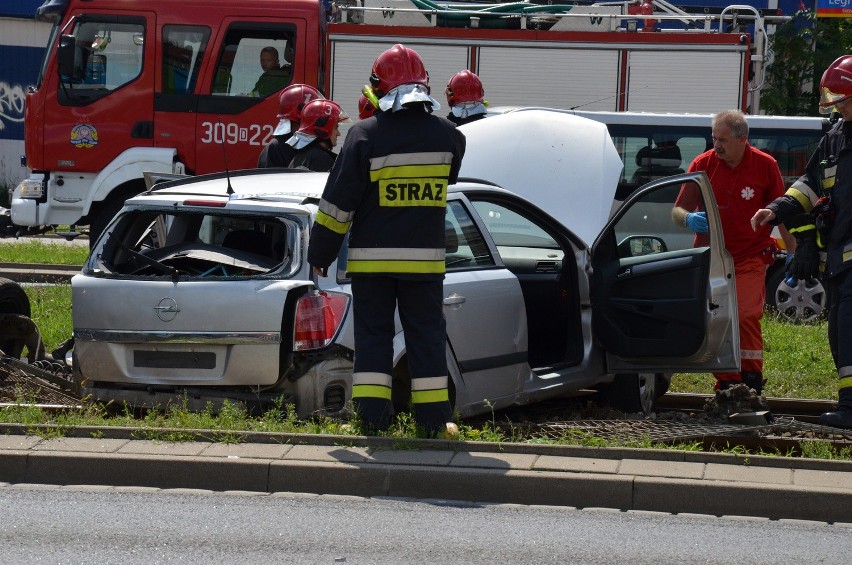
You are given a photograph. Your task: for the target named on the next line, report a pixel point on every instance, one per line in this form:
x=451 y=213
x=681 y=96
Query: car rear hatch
x=193 y=291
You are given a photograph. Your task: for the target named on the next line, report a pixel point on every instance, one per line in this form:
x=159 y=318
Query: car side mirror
x=69 y=58
x=637 y=245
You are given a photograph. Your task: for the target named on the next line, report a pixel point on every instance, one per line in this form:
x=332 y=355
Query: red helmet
x=398 y=65
x=365 y=108
x=836 y=84
x=293 y=99
x=320 y=117
x=465 y=86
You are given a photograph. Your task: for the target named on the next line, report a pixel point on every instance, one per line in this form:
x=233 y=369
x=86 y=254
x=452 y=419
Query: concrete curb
x=623 y=479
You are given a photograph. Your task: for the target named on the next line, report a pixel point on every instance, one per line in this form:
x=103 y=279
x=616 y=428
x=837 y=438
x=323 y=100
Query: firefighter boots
x=375 y=413
x=842 y=417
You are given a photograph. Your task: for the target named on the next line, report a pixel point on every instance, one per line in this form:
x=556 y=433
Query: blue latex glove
x=697 y=222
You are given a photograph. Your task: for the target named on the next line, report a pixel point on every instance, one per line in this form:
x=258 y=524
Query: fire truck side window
x=255 y=61
x=107 y=55
x=183 y=52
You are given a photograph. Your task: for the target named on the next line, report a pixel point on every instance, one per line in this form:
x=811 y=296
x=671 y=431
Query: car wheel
x=13 y=300
x=802 y=302
x=634 y=392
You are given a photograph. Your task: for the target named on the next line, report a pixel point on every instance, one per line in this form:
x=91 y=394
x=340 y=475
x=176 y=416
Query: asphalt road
x=107 y=525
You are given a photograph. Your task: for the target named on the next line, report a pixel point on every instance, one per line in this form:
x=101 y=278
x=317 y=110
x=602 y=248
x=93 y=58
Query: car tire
x=634 y=393
x=13 y=300
x=803 y=302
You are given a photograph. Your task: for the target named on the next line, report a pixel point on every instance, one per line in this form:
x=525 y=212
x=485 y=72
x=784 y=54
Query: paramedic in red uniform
x=744 y=180
x=389 y=184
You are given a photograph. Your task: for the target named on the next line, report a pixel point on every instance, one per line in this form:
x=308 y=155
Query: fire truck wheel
x=103 y=212
x=13 y=300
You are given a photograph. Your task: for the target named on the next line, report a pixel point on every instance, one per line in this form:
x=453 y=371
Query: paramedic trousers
x=420 y=304
x=751 y=296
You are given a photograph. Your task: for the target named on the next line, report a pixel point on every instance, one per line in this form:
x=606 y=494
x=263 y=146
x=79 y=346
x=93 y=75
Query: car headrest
x=249 y=240
x=667 y=156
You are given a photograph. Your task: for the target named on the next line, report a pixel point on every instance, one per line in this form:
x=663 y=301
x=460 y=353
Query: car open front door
x=664 y=300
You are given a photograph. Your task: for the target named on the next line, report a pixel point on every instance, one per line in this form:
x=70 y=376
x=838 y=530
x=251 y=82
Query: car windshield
x=197 y=244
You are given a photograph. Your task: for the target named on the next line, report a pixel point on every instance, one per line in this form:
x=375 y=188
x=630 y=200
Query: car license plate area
x=174 y=359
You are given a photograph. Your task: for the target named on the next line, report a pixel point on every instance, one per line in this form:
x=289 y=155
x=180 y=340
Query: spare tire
x=13 y=300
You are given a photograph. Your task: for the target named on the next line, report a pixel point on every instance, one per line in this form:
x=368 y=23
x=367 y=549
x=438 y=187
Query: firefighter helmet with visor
x=366 y=108
x=465 y=86
x=836 y=84
x=320 y=117
x=293 y=99
x=396 y=66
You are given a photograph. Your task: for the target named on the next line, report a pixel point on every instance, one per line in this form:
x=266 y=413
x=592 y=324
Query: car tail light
x=318 y=317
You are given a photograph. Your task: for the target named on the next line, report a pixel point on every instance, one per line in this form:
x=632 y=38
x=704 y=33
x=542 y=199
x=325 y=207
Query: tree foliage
x=802 y=49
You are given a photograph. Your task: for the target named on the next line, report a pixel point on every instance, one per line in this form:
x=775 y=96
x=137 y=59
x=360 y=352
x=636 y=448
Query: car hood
x=562 y=163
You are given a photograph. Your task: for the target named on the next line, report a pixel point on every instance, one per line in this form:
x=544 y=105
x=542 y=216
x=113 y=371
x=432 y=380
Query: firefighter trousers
x=420 y=304
x=751 y=296
x=839 y=295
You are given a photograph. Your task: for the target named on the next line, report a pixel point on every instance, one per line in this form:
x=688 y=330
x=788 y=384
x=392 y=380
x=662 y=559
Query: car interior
x=196 y=245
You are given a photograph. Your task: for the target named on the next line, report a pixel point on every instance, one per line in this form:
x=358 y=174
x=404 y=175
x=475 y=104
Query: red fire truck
x=172 y=87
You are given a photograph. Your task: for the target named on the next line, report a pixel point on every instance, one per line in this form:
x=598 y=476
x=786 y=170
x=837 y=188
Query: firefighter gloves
x=805 y=264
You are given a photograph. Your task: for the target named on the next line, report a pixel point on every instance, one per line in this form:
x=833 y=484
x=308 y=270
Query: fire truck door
x=104 y=106
x=238 y=106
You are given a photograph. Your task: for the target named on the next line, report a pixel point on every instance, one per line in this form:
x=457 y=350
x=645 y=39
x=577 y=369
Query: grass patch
x=40 y=251
x=51 y=311
x=797 y=363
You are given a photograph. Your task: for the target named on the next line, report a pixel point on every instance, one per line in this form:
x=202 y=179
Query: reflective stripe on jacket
x=388 y=188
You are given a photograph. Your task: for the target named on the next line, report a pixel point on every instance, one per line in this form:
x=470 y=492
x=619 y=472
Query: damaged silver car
x=199 y=290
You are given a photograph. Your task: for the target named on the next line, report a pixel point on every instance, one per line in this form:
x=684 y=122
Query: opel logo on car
x=167 y=310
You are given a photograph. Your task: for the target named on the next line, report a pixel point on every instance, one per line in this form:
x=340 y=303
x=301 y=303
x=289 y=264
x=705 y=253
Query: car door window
x=183 y=51
x=255 y=60
x=106 y=55
x=466 y=248
x=647 y=227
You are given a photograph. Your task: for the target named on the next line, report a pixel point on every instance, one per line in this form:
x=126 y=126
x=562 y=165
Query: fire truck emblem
x=84 y=136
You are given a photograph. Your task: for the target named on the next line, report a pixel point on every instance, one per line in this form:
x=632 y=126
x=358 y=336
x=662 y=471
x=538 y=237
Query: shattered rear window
x=197 y=244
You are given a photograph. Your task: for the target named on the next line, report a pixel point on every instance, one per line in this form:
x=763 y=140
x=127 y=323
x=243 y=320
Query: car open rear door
x=664 y=301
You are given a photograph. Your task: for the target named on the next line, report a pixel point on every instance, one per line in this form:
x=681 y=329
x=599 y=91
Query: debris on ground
x=737 y=399
x=44 y=381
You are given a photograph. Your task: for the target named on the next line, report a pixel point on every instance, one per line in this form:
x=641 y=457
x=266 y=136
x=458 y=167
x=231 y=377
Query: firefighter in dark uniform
x=466 y=98
x=317 y=136
x=389 y=184
x=290 y=103
x=818 y=210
